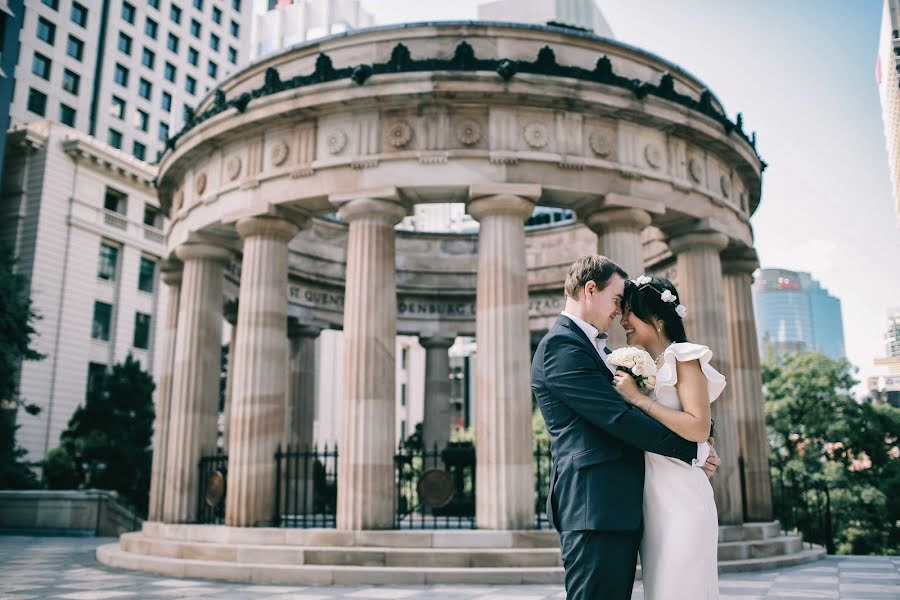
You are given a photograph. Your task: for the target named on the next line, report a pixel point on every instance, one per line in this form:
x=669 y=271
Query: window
x=232 y=55
x=153 y=4
x=402 y=394
x=190 y=84
x=115 y=201
x=198 y=4
x=172 y=43
x=128 y=12
x=40 y=66
x=95 y=378
x=235 y=29
x=213 y=41
x=169 y=72
x=167 y=101
x=146 y=273
x=67 y=115
x=124 y=43
x=404 y=355
x=195 y=28
x=193 y=56
x=152 y=216
x=145 y=89
x=175 y=14
x=151 y=27
x=141 y=331
x=121 y=75
x=109 y=260
x=142 y=120
x=71 y=81
x=115 y=139
x=403 y=429
x=217 y=15
x=148 y=58
x=139 y=150
x=79 y=15
x=37 y=102
x=236 y=5
x=212 y=69
x=46 y=30
x=54 y=4
x=102 y=317
x=163 y=132
x=117 y=108
x=75 y=48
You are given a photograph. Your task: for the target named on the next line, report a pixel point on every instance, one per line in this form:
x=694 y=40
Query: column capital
x=741 y=261
x=524 y=190
x=270 y=227
x=706 y=239
x=386 y=210
x=304 y=329
x=171 y=271
x=437 y=340
x=515 y=199
x=611 y=219
x=202 y=250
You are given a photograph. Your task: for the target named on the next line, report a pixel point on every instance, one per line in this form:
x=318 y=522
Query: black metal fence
x=213 y=479
x=803 y=503
x=435 y=488
x=305 y=487
x=543 y=468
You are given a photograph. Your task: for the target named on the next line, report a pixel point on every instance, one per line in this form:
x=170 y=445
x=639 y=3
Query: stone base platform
x=332 y=557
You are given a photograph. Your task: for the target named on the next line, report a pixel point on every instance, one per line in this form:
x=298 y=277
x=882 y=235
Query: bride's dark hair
x=645 y=302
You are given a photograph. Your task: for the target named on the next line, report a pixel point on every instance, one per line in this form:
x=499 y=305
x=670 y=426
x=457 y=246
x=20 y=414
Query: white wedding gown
x=681 y=529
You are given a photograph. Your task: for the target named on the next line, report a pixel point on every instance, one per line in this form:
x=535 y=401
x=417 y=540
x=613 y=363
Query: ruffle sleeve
x=667 y=375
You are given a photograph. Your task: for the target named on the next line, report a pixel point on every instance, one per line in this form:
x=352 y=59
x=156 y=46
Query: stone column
x=259 y=384
x=195 y=379
x=366 y=456
x=504 y=472
x=700 y=290
x=437 y=420
x=745 y=380
x=301 y=397
x=170 y=273
x=619 y=238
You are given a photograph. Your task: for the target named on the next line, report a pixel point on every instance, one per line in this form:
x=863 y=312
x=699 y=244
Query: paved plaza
x=40 y=567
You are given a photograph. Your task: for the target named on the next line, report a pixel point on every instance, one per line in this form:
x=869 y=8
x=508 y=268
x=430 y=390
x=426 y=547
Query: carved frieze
x=336 y=141
x=468 y=132
x=600 y=143
x=232 y=167
x=536 y=134
x=399 y=134
x=695 y=169
x=653 y=155
x=279 y=153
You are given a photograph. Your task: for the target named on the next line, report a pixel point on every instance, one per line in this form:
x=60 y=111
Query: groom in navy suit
x=597 y=440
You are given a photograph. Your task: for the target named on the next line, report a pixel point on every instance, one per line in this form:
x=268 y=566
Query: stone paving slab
x=45 y=568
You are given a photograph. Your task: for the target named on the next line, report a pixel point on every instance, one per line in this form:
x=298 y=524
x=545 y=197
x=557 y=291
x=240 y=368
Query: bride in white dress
x=680 y=540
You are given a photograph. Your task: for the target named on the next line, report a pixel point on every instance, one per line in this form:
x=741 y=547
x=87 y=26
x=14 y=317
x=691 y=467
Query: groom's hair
x=594 y=267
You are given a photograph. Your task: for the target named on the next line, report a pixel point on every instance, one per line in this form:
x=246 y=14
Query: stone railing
x=66 y=512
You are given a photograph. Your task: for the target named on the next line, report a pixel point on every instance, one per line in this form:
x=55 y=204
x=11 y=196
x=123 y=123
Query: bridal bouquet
x=637 y=363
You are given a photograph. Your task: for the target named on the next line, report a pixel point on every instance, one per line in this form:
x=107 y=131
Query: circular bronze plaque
x=435 y=488
x=215 y=488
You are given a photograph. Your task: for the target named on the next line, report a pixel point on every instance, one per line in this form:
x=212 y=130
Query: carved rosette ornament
x=468 y=132
x=200 y=184
x=336 y=141
x=178 y=200
x=399 y=134
x=279 y=153
x=725 y=184
x=653 y=155
x=536 y=135
x=600 y=144
x=695 y=170
x=233 y=168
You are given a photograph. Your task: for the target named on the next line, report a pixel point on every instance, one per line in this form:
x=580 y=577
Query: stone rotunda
x=284 y=190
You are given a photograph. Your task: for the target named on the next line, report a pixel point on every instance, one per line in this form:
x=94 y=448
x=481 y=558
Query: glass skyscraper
x=795 y=313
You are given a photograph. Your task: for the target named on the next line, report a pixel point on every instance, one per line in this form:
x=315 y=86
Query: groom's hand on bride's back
x=712 y=461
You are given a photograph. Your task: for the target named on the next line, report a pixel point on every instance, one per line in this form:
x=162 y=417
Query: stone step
x=749 y=531
x=292 y=574
x=777 y=546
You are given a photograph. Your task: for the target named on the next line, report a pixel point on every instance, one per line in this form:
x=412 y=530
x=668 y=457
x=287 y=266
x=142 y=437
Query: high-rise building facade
x=123 y=71
x=892 y=333
x=884 y=386
x=583 y=14
x=85 y=224
x=795 y=313
x=11 y=15
x=887 y=68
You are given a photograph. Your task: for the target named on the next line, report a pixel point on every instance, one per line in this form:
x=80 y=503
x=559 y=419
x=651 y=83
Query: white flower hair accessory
x=681 y=310
x=642 y=280
x=668 y=296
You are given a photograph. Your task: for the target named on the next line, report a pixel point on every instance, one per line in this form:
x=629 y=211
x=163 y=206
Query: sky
x=802 y=72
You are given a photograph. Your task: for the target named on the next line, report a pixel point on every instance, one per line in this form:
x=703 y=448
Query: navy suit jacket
x=597 y=440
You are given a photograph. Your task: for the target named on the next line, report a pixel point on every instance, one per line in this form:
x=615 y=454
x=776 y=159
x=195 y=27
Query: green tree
x=17 y=318
x=822 y=438
x=107 y=442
